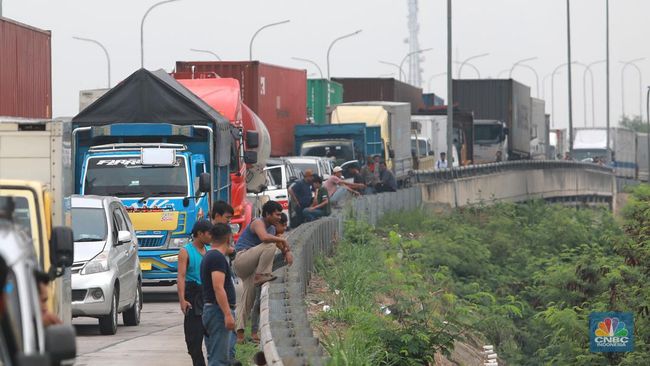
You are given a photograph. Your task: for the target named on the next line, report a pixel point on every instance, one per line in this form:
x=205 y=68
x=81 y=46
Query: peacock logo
x=611 y=327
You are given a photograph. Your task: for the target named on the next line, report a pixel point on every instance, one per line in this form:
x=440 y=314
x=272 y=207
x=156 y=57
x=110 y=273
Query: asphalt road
x=158 y=340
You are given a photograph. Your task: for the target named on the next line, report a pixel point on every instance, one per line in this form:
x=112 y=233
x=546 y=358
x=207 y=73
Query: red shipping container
x=278 y=95
x=25 y=71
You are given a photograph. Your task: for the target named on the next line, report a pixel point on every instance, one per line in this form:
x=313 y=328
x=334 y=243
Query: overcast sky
x=508 y=29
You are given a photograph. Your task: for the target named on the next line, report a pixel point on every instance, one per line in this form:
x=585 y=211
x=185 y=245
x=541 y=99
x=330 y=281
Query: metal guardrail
x=286 y=335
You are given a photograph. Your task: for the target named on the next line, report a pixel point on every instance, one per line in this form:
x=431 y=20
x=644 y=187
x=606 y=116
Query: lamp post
x=250 y=45
x=450 y=85
x=460 y=69
x=206 y=51
x=584 y=91
x=142 y=27
x=521 y=63
x=625 y=65
x=433 y=77
x=553 y=87
x=607 y=71
x=476 y=70
x=329 y=49
x=401 y=73
x=311 y=62
x=502 y=72
x=108 y=58
x=409 y=55
x=647 y=106
x=570 y=89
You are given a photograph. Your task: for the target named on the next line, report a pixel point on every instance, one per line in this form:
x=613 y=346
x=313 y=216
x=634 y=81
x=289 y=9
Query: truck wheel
x=108 y=323
x=131 y=317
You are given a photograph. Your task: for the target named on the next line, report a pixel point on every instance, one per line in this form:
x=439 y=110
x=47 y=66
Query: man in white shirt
x=442 y=162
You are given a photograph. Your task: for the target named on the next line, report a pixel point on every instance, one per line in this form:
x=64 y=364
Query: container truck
x=276 y=94
x=395 y=122
x=504 y=100
x=590 y=144
x=434 y=129
x=322 y=93
x=347 y=142
x=164 y=152
x=25 y=70
x=490 y=139
x=557 y=139
x=434 y=125
x=381 y=89
x=539 y=129
x=35 y=174
x=642 y=156
x=421 y=148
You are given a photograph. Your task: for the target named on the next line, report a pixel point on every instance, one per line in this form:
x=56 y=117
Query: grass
x=244 y=352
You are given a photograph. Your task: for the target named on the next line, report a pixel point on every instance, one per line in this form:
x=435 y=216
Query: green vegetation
x=634 y=123
x=522 y=277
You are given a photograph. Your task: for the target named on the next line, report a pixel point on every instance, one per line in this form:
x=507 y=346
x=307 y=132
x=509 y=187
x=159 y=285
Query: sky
x=509 y=30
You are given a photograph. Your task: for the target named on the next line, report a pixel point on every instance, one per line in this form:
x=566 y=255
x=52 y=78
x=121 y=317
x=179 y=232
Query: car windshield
x=487 y=133
x=301 y=167
x=589 y=154
x=422 y=144
x=125 y=177
x=88 y=224
x=339 y=150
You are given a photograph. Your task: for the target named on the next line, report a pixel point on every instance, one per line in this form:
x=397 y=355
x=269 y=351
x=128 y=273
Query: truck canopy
x=590 y=139
x=156 y=97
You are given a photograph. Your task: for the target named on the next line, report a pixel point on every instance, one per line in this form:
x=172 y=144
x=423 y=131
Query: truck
x=381 y=89
x=165 y=153
x=557 y=141
x=347 y=142
x=322 y=93
x=35 y=175
x=590 y=145
x=434 y=126
x=422 y=152
x=642 y=156
x=394 y=119
x=490 y=139
x=539 y=129
x=503 y=100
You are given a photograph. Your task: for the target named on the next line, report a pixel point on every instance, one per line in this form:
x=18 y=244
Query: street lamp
x=206 y=51
x=476 y=70
x=460 y=69
x=311 y=62
x=142 y=27
x=108 y=59
x=521 y=63
x=329 y=49
x=401 y=73
x=647 y=106
x=553 y=87
x=433 y=77
x=409 y=55
x=625 y=65
x=584 y=91
x=250 y=45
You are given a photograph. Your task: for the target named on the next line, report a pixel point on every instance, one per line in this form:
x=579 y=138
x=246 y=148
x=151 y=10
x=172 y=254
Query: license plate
x=145 y=266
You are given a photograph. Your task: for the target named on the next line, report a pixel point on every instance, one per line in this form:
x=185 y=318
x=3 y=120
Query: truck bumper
x=158 y=265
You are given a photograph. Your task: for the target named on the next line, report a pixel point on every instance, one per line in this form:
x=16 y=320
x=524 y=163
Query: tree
x=634 y=123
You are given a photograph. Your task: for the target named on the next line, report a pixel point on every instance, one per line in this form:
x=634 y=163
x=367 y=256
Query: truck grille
x=151 y=241
x=79 y=295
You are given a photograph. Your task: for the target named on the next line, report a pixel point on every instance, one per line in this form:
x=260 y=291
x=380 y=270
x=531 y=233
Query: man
x=300 y=193
x=321 y=205
x=442 y=162
x=43 y=281
x=387 y=179
x=337 y=187
x=280 y=229
x=219 y=297
x=190 y=295
x=358 y=182
x=254 y=261
x=499 y=156
x=221 y=212
x=368 y=175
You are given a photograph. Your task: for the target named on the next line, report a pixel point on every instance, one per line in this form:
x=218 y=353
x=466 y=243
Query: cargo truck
x=346 y=142
x=539 y=129
x=164 y=152
x=490 y=139
x=642 y=156
x=35 y=174
x=322 y=93
x=434 y=126
x=381 y=89
x=590 y=145
x=394 y=119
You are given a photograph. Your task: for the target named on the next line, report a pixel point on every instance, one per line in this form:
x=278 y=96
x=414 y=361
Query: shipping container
x=500 y=99
x=642 y=156
x=380 y=89
x=89 y=96
x=462 y=133
x=278 y=95
x=432 y=100
x=25 y=71
x=321 y=93
x=539 y=129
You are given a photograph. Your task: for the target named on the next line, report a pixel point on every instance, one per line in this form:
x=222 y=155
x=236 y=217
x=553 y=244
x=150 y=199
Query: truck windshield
x=88 y=224
x=588 y=155
x=303 y=166
x=487 y=133
x=125 y=177
x=340 y=150
x=421 y=144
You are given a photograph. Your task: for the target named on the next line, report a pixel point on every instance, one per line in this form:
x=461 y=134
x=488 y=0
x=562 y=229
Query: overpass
x=286 y=335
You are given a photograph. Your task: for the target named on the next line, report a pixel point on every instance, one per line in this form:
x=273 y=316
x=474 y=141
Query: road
x=158 y=340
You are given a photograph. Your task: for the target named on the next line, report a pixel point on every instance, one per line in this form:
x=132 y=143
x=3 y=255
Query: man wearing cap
x=300 y=193
x=337 y=187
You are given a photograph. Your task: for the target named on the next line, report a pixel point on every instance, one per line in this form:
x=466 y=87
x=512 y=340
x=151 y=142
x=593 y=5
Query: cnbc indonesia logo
x=611 y=332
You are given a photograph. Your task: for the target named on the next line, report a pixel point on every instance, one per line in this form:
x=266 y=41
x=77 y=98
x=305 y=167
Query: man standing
x=190 y=295
x=300 y=193
x=321 y=205
x=442 y=162
x=254 y=261
x=387 y=179
x=219 y=297
x=337 y=187
x=221 y=212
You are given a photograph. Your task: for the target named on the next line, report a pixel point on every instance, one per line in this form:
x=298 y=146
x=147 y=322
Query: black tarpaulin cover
x=156 y=97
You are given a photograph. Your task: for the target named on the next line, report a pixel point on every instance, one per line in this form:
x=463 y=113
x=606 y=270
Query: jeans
x=193 y=326
x=218 y=340
x=312 y=214
x=340 y=195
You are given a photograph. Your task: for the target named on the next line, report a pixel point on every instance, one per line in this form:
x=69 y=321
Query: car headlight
x=97 y=264
x=178 y=242
x=235 y=228
x=170 y=258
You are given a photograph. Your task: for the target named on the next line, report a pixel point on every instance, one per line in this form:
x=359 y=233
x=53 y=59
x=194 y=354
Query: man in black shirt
x=219 y=297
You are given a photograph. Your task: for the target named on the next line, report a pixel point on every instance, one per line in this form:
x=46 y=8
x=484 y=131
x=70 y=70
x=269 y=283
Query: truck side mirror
x=252 y=139
x=391 y=153
x=60 y=343
x=62 y=247
x=204 y=183
x=250 y=157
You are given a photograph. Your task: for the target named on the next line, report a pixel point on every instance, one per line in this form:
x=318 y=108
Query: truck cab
x=490 y=137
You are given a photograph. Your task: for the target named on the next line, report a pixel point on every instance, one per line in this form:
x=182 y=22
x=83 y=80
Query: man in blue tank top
x=254 y=260
x=190 y=295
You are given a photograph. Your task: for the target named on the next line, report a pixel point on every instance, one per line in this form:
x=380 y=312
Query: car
x=24 y=340
x=318 y=165
x=106 y=275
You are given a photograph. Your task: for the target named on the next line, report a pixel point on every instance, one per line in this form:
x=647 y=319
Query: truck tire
x=131 y=317
x=108 y=323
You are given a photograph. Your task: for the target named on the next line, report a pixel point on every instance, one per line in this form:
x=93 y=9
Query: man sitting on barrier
x=321 y=205
x=253 y=262
x=300 y=193
x=337 y=188
x=387 y=179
